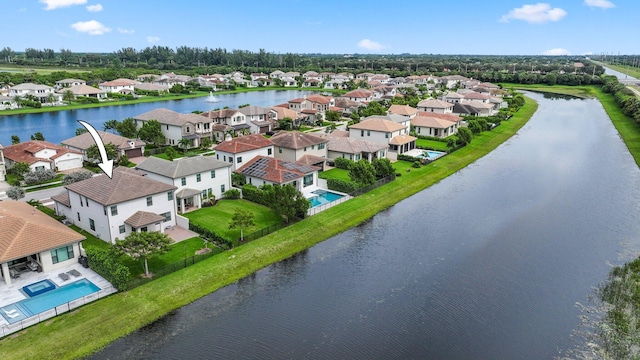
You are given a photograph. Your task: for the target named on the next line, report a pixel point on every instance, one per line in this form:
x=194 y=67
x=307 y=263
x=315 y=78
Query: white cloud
x=91 y=27
x=556 y=51
x=54 y=4
x=94 y=8
x=605 y=4
x=125 y=31
x=535 y=14
x=370 y=45
x=153 y=39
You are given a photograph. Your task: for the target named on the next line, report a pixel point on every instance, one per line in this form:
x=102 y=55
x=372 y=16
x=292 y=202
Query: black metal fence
x=376 y=184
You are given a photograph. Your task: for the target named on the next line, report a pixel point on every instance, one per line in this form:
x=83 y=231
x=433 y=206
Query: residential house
x=232 y=120
x=291 y=74
x=347 y=106
x=312 y=75
x=289 y=82
x=42 y=155
x=354 y=149
x=65 y=83
x=147 y=78
x=453 y=97
x=258 y=119
x=301 y=147
x=43 y=93
x=176 y=126
x=365 y=76
x=125 y=86
x=31 y=239
x=171 y=79
x=196 y=178
x=277 y=113
x=472 y=108
x=359 y=95
x=112 y=208
x=3 y=170
x=383 y=131
x=311 y=83
x=277 y=74
x=84 y=90
x=436 y=106
x=433 y=126
x=237 y=151
x=384 y=92
x=399 y=119
x=145 y=86
x=453 y=81
x=130 y=147
x=404 y=110
x=265 y=170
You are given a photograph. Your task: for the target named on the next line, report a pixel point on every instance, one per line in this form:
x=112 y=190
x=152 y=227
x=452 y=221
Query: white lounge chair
x=11 y=313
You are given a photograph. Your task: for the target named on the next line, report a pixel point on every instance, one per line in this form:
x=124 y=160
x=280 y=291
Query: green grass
x=625 y=69
x=586 y=91
x=432 y=144
x=335 y=173
x=217 y=218
x=101 y=322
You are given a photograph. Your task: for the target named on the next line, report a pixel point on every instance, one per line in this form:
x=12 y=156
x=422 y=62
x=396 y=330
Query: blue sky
x=489 y=27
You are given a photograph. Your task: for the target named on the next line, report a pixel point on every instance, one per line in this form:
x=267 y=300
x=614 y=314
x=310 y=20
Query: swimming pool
x=39 y=287
x=49 y=300
x=323 y=197
x=431 y=154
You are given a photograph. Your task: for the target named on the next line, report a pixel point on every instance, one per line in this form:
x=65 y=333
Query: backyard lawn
x=217 y=218
x=432 y=144
x=335 y=173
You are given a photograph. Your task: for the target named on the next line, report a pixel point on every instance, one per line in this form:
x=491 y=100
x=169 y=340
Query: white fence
x=316 y=209
x=48 y=314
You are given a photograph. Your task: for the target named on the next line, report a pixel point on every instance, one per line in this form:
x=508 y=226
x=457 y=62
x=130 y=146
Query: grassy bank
x=91 y=327
x=625 y=69
x=577 y=91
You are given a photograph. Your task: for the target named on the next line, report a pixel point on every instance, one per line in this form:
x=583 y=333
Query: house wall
x=297 y=183
x=46 y=261
x=441 y=133
x=295 y=154
x=222 y=177
x=68 y=161
x=374 y=136
x=246 y=156
x=337 y=154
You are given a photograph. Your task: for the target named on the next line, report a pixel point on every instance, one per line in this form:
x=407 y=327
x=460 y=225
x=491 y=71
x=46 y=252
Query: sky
x=482 y=27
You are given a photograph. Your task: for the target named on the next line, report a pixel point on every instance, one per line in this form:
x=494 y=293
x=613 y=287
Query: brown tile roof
x=476 y=96
x=358 y=93
x=296 y=139
x=435 y=103
x=220 y=114
x=319 y=99
x=297 y=100
x=142 y=218
x=405 y=110
x=244 y=143
x=450 y=117
x=311 y=160
x=402 y=139
x=283 y=112
x=24 y=152
x=120 y=82
x=84 y=141
x=26 y=231
x=432 y=122
x=170 y=117
x=275 y=170
x=126 y=184
x=83 y=90
x=378 y=124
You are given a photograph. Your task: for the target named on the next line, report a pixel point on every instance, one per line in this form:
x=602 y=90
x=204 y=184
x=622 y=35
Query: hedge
x=342 y=163
x=342 y=185
x=107 y=265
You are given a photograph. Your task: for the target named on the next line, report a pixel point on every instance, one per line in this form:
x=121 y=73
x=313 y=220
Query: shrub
x=416 y=164
x=211 y=236
x=342 y=163
x=75 y=177
x=105 y=263
x=342 y=185
x=38 y=176
x=407 y=158
x=232 y=194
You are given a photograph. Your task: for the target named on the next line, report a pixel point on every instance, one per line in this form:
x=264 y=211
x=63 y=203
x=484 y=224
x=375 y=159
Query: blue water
x=60 y=125
x=432 y=154
x=324 y=197
x=39 y=287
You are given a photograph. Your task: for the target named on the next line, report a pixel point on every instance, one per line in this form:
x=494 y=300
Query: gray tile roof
x=181 y=167
x=142 y=218
x=170 y=117
x=84 y=141
x=296 y=139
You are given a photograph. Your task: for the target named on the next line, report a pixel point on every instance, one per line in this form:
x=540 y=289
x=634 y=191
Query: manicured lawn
x=335 y=173
x=104 y=321
x=432 y=144
x=217 y=218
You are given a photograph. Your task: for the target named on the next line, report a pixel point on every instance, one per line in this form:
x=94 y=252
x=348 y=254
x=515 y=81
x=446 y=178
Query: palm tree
x=185 y=144
x=17 y=100
x=51 y=98
x=68 y=96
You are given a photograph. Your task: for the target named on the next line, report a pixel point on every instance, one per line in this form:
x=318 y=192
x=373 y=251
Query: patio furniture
x=74 y=272
x=32 y=265
x=63 y=276
x=14 y=273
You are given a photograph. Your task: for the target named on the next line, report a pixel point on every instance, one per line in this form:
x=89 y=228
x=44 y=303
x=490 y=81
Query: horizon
x=508 y=28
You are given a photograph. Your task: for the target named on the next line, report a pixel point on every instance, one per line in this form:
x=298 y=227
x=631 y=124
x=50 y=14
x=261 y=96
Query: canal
x=489 y=263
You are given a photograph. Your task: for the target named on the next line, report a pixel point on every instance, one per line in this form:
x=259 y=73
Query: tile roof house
x=111 y=208
x=69 y=83
x=196 y=178
x=232 y=119
x=264 y=170
x=404 y=110
x=151 y=87
x=433 y=126
x=41 y=92
x=359 y=95
x=84 y=90
x=354 y=149
x=435 y=105
x=258 y=118
x=278 y=113
x=384 y=131
x=3 y=170
x=302 y=147
x=239 y=150
x=176 y=126
x=42 y=155
x=29 y=235
x=130 y=147
x=119 y=85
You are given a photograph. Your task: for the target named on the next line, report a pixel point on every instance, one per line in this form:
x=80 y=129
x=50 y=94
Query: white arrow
x=106 y=165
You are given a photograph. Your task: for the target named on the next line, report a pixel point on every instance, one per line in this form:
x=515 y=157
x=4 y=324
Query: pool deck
x=10 y=294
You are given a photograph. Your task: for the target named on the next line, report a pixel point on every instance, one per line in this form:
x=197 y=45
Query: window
x=225 y=158
x=213 y=174
x=198 y=178
x=114 y=210
x=321 y=146
x=231 y=159
x=239 y=159
x=170 y=195
x=313 y=147
x=81 y=203
x=305 y=149
x=121 y=229
x=209 y=192
x=62 y=254
x=222 y=188
x=183 y=181
x=167 y=216
x=361 y=132
x=269 y=151
x=92 y=224
x=204 y=193
x=78 y=216
x=143 y=229
x=308 y=180
x=86 y=201
x=188 y=130
x=386 y=135
x=368 y=132
x=218 y=156
x=279 y=150
x=149 y=200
